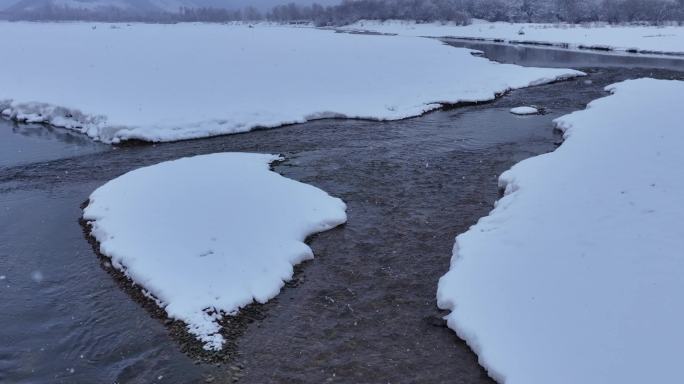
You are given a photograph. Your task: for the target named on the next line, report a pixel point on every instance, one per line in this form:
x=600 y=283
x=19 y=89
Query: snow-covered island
x=207 y=235
x=524 y=111
x=154 y=82
x=576 y=275
x=624 y=38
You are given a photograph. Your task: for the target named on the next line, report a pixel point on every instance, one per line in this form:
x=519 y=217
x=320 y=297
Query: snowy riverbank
x=637 y=39
x=153 y=82
x=575 y=276
x=208 y=235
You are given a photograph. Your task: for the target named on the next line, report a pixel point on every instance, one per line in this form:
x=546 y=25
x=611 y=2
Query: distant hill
x=142 y=10
x=14 y=6
x=262 y=5
x=129 y=6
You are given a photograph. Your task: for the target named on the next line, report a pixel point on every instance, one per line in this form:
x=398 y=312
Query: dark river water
x=530 y=55
x=362 y=311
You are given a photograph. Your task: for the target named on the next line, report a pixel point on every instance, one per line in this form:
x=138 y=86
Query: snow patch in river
x=524 y=111
x=207 y=235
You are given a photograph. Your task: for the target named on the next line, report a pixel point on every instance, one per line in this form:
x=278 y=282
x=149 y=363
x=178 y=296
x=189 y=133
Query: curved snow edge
x=97 y=127
x=510 y=185
x=204 y=325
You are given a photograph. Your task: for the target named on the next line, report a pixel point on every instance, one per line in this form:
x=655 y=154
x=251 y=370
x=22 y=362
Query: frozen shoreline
x=123 y=82
x=605 y=272
x=647 y=40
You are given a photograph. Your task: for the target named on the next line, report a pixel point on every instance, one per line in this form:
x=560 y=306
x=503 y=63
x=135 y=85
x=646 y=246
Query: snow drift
x=207 y=235
x=118 y=82
x=576 y=275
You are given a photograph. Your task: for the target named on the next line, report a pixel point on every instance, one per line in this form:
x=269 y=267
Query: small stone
x=436 y=321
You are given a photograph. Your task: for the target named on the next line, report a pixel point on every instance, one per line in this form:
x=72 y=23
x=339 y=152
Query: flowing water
x=362 y=311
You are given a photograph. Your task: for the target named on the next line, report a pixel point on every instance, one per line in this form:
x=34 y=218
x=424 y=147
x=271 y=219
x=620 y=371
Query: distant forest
x=349 y=11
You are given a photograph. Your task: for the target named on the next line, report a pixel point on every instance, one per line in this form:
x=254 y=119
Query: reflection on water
x=555 y=57
x=50 y=133
x=24 y=143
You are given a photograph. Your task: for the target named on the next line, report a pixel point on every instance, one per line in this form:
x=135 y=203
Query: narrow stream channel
x=362 y=311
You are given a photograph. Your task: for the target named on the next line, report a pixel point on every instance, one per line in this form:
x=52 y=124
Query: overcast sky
x=262 y=4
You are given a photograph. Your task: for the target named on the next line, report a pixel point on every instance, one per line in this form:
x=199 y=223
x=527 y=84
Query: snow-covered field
x=577 y=275
x=170 y=82
x=209 y=234
x=644 y=39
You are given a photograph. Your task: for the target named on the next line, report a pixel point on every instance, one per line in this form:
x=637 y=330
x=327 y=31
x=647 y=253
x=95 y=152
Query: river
x=362 y=311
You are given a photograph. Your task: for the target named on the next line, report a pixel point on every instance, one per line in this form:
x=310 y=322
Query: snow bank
x=209 y=234
x=171 y=82
x=576 y=275
x=524 y=111
x=643 y=39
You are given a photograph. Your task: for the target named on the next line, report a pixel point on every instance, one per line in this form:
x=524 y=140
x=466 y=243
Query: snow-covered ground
x=172 y=82
x=644 y=39
x=577 y=275
x=209 y=234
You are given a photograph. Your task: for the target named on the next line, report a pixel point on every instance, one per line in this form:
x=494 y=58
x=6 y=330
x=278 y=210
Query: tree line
x=349 y=11
x=462 y=11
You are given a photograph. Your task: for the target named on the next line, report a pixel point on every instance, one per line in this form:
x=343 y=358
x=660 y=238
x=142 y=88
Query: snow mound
x=207 y=235
x=524 y=111
x=576 y=275
x=171 y=82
